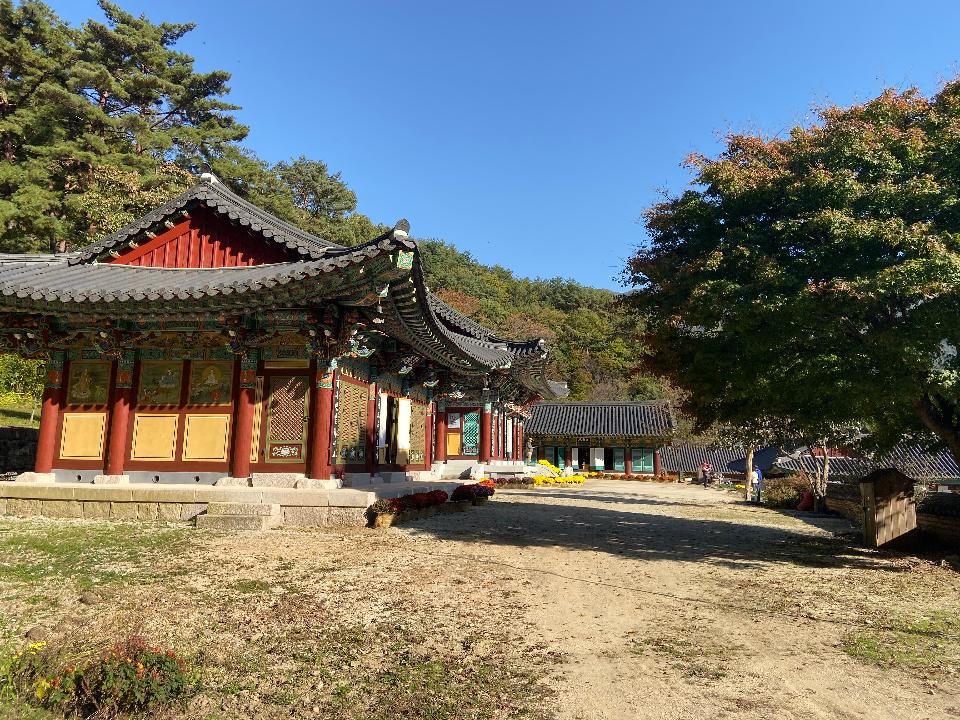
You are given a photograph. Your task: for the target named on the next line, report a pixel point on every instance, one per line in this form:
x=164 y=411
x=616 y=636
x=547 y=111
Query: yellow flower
x=41 y=687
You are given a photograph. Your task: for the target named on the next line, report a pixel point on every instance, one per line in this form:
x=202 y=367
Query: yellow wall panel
x=205 y=437
x=154 y=437
x=82 y=436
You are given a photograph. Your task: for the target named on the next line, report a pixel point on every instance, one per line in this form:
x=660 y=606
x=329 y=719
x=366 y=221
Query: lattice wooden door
x=471 y=433
x=286 y=434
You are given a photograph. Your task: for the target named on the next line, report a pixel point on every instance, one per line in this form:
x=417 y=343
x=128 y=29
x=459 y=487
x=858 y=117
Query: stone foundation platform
x=140 y=501
x=222 y=507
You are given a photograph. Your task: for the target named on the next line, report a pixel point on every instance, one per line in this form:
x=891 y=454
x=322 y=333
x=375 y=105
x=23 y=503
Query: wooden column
x=440 y=451
x=568 y=456
x=627 y=461
x=318 y=455
x=243 y=416
x=485 y=421
x=656 y=462
x=119 y=415
x=428 y=439
x=117 y=437
x=371 y=455
x=47 y=436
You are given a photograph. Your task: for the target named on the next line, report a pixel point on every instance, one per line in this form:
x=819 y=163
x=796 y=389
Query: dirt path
x=678 y=602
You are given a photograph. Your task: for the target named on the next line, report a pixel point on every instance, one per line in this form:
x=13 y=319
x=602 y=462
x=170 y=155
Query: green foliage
x=21 y=380
x=784 y=492
x=591 y=334
x=127 y=677
x=100 y=123
x=810 y=283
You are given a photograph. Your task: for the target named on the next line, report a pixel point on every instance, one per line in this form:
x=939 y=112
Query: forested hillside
x=103 y=122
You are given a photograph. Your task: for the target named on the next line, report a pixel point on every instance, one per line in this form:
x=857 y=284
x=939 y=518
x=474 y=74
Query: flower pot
x=385 y=520
x=480 y=500
x=430 y=511
x=460 y=505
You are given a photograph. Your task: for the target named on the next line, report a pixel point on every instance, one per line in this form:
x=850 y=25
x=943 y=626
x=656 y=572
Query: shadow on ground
x=651 y=536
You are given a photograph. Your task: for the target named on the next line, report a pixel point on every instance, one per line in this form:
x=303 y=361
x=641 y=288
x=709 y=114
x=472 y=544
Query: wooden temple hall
x=614 y=437
x=211 y=343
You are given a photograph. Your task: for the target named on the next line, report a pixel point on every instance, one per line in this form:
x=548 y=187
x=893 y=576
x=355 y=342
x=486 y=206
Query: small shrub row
x=484 y=488
x=414 y=501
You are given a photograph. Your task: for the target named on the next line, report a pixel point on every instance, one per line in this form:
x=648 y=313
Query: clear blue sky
x=533 y=134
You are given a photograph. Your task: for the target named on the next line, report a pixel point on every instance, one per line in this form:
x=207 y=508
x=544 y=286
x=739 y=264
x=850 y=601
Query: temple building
x=212 y=343
x=615 y=437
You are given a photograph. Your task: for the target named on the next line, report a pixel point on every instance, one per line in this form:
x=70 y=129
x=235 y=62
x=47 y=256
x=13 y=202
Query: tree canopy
x=811 y=282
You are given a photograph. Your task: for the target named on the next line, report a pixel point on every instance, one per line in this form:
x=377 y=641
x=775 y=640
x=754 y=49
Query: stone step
x=235 y=522
x=242 y=509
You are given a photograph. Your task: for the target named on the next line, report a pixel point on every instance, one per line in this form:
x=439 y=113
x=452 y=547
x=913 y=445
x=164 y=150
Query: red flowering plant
x=483 y=490
x=421 y=500
x=463 y=492
x=128 y=677
x=439 y=496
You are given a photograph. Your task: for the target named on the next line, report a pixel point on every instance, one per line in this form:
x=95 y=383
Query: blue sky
x=533 y=134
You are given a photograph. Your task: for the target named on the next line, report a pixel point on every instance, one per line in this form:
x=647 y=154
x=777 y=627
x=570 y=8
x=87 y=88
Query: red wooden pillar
x=318 y=456
x=440 y=452
x=428 y=438
x=485 y=439
x=47 y=436
x=117 y=438
x=568 y=456
x=242 y=434
x=656 y=462
x=243 y=417
x=495 y=429
x=371 y=428
x=627 y=461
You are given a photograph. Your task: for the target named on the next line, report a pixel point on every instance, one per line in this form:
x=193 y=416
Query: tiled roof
x=650 y=418
x=39 y=282
x=219 y=198
x=687 y=457
x=911 y=460
x=77 y=283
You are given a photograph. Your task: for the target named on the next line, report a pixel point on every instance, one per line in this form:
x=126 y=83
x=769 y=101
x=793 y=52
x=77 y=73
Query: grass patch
x=929 y=645
x=251 y=586
x=381 y=671
x=697 y=659
x=89 y=553
x=18 y=414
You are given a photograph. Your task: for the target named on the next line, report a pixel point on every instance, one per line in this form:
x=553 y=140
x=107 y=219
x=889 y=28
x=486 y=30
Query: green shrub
x=128 y=677
x=783 y=492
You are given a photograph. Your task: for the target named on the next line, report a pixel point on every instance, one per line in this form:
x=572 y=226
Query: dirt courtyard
x=615 y=600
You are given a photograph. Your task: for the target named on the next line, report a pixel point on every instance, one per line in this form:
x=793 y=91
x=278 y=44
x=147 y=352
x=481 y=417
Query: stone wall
x=18 y=447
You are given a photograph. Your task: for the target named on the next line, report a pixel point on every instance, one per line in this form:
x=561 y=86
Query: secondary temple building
x=212 y=343
x=616 y=437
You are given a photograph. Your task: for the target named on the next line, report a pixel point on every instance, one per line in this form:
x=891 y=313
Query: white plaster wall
x=596 y=458
x=403 y=431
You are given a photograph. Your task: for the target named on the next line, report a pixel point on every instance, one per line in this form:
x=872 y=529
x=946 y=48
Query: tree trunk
x=939 y=420
x=748 y=492
x=821 y=491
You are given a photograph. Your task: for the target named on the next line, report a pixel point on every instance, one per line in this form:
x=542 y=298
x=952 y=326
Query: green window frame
x=641 y=460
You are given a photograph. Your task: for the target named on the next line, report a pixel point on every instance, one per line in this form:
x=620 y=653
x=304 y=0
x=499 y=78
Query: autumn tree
x=814 y=279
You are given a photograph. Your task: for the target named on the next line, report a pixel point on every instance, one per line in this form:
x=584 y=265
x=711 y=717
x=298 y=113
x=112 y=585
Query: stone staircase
x=240 y=516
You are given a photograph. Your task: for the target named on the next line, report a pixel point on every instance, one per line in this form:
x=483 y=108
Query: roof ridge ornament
x=208 y=177
x=402 y=228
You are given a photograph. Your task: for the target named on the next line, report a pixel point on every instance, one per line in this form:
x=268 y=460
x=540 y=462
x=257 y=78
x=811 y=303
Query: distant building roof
x=649 y=418
x=911 y=460
x=688 y=457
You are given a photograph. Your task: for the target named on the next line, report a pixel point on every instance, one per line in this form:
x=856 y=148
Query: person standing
x=706 y=473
